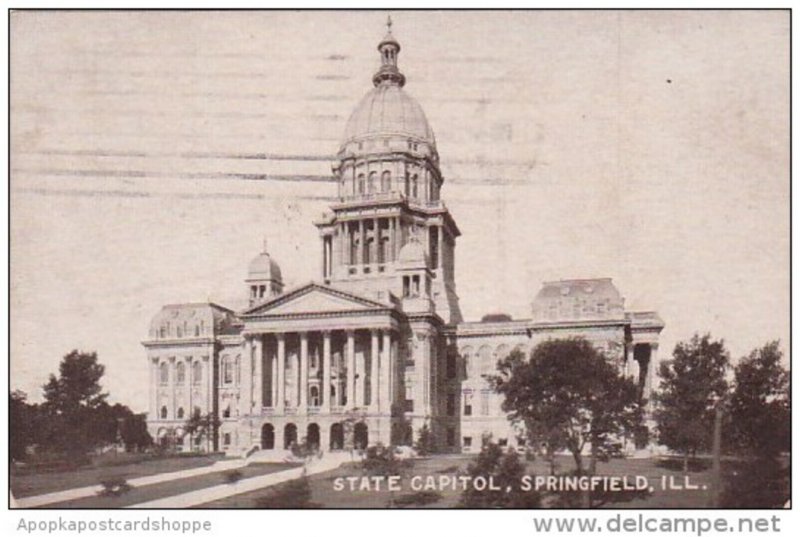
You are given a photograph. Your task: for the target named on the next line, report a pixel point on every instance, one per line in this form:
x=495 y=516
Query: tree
x=424 y=445
x=758 y=429
x=506 y=473
x=117 y=424
x=200 y=426
x=567 y=395
x=759 y=404
x=23 y=418
x=71 y=403
x=692 y=384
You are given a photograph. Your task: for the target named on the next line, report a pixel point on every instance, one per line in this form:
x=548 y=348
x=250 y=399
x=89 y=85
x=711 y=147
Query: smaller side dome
x=263 y=267
x=413 y=253
x=264 y=278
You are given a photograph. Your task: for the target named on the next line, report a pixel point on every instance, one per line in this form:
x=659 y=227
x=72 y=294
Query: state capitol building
x=377 y=347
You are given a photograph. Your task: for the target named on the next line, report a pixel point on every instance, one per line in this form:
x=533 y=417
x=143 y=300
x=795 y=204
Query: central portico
x=318 y=356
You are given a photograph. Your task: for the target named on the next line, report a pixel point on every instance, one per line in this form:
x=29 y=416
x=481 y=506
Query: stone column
x=362 y=246
x=273 y=381
x=396 y=236
x=326 y=372
x=440 y=248
x=360 y=377
x=188 y=380
x=376 y=241
x=652 y=370
x=386 y=373
x=392 y=250
x=373 y=375
x=173 y=377
x=281 y=392
x=246 y=390
x=304 y=372
x=209 y=378
x=155 y=381
x=633 y=366
x=258 y=373
x=351 y=369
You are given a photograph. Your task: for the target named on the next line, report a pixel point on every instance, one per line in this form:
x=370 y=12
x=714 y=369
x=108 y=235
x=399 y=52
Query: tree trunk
x=586 y=497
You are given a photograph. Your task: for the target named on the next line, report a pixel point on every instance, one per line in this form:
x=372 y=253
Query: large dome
x=388 y=110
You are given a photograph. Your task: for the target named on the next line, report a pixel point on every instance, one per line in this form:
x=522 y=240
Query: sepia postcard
x=399 y=259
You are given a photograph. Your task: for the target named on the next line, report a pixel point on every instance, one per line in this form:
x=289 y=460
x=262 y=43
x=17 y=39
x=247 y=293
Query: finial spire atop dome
x=389 y=48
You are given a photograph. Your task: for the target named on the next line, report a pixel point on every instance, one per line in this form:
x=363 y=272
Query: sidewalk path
x=74 y=494
x=210 y=494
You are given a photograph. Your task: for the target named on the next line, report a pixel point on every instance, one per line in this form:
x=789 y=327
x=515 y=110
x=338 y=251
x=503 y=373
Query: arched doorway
x=360 y=435
x=337 y=436
x=267 y=436
x=289 y=435
x=312 y=435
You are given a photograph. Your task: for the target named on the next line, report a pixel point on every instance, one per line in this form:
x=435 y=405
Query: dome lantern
x=389 y=49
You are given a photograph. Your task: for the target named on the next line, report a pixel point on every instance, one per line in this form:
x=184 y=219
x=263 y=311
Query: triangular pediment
x=314 y=298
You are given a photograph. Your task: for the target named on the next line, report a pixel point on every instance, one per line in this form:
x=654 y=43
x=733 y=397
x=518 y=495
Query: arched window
x=164 y=373
x=227 y=370
x=414 y=182
x=386 y=181
x=360 y=183
x=163 y=412
x=466 y=356
x=486 y=362
x=501 y=352
x=372 y=178
x=180 y=413
x=197 y=373
x=181 y=372
x=314 y=395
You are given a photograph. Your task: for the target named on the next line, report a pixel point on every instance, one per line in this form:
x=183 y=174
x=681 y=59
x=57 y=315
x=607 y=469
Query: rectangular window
x=451 y=404
x=409 y=405
x=485 y=403
x=468 y=404
x=451 y=366
x=467 y=441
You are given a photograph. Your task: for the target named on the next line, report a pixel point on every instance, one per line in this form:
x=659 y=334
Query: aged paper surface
x=155 y=154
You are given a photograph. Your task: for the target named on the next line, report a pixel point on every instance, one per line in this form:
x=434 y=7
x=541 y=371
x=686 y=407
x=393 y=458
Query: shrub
x=295 y=494
x=114 y=486
x=233 y=476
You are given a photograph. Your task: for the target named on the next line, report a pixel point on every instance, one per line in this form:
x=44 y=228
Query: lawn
x=27 y=483
x=170 y=488
x=323 y=493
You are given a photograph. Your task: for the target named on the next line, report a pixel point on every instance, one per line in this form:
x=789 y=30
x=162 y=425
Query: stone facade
x=378 y=347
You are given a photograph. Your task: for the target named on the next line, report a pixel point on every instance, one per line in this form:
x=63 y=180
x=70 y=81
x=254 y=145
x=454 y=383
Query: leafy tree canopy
x=692 y=383
x=759 y=405
x=568 y=394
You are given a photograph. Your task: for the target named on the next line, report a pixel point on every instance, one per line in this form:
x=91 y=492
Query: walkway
x=327 y=462
x=210 y=494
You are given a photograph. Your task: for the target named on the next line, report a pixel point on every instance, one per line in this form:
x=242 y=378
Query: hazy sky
x=153 y=152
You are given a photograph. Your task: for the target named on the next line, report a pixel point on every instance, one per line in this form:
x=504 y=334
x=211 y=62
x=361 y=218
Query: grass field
x=26 y=483
x=169 y=488
x=321 y=491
